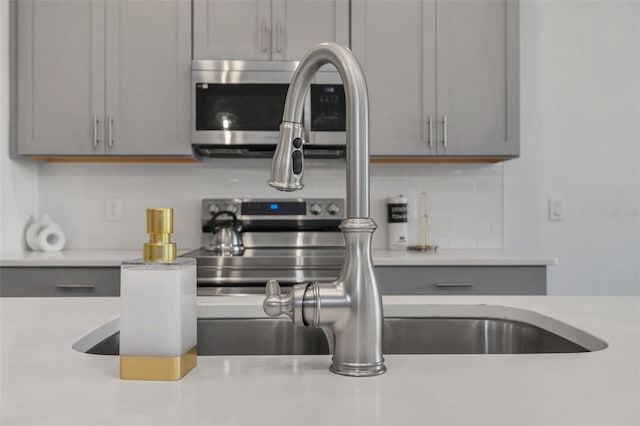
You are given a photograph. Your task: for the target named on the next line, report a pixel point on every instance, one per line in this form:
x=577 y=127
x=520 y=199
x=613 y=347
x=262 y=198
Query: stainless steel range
x=289 y=240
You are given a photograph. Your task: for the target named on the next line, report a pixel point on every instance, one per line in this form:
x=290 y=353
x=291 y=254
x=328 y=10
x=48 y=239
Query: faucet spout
x=351 y=305
x=287 y=167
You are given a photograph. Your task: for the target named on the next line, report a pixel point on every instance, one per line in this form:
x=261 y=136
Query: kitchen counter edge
x=113 y=258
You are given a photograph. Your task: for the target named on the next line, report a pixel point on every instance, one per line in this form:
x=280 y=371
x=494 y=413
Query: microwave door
x=238 y=114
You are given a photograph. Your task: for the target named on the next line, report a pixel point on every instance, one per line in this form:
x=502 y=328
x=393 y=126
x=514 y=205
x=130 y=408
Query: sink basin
x=424 y=335
x=244 y=336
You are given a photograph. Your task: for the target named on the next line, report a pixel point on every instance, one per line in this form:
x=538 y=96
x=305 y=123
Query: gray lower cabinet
x=59 y=282
x=392 y=280
x=462 y=280
x=443 y=76
x=103 y=78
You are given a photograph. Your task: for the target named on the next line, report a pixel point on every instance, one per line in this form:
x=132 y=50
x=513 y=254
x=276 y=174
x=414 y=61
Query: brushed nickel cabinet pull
x=96 y=141
x=430 y=132
x=76 y=286
x=110 y=141
x=450 y=285
x=278 y=36
x=444 y=142
x=264 y=36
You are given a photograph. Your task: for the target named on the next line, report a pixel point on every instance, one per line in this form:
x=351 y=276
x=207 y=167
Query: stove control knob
x=315 y=209
x=213 y=208
x=333 y=209
x=231 y=208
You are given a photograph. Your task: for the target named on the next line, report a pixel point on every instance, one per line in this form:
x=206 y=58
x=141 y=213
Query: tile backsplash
x=465 y=200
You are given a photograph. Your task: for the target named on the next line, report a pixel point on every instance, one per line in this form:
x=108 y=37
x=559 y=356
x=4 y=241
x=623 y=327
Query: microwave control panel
x=328 y=108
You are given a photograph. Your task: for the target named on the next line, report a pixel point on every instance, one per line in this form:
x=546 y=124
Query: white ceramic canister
x=43 y=234
x=34 y=228
x=51 y=238
x=397 y=223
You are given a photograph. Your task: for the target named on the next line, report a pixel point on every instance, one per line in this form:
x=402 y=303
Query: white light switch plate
x=556 y=209
x=113 y=209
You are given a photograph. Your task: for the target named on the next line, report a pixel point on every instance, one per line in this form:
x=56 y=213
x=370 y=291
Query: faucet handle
x=275 y=303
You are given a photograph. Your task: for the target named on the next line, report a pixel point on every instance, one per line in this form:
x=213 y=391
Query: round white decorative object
x=52 y=238
x=31 y=235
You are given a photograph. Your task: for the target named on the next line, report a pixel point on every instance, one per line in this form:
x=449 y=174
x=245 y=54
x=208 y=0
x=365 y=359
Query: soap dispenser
x=158 y=319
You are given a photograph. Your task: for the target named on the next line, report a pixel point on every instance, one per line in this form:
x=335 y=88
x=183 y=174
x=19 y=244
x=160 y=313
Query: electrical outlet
x=113 y=210
x=556 y=209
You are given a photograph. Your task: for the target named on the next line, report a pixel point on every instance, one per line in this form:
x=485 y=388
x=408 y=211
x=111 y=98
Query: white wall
x=18 y=179
x=580 y=118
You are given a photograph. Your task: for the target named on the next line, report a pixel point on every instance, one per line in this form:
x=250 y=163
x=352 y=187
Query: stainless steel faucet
x=350 y=306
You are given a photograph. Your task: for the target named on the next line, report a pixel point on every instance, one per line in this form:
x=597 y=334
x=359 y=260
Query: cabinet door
x=61 y=77
x=477 y=57
x=298 y=25
x=232 y=29
x=148 y=77
x=395 y=43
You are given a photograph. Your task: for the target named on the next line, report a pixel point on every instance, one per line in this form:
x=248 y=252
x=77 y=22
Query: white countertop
x=45 y=382
x=480 y=257
x=112 y=258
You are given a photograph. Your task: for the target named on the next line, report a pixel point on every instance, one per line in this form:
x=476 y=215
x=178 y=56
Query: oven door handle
x=234 y=291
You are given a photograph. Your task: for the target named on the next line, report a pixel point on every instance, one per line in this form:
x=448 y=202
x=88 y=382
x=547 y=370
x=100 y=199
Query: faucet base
x=358 y=370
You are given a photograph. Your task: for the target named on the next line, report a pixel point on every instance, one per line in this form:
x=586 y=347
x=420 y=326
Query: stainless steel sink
x=257 y=336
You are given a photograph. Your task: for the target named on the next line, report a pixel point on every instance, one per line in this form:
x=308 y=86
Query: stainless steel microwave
x=238 y=106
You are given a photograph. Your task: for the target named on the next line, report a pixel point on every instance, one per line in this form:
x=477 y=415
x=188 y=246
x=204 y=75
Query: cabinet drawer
x=463 y=280
x=59 y=282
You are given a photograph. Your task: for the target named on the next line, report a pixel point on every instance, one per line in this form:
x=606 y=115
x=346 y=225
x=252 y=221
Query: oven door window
x=247 y=107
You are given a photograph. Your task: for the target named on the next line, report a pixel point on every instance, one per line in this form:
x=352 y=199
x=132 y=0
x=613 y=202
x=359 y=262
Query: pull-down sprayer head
x=288 y=164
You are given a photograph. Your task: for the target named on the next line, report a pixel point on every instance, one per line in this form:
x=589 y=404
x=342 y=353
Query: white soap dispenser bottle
x=158 y=319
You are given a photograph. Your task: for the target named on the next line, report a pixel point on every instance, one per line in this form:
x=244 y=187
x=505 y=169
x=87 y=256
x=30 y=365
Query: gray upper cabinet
x=298 y=25
x=148 y=77
x=266 y=29
x=61 y=54
x=231 y=29
x=478 y=69
x=104 y=77
x=443 y=76
x=393 y=49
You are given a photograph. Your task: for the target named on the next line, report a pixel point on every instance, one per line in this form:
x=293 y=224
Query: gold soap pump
x=159 y=227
